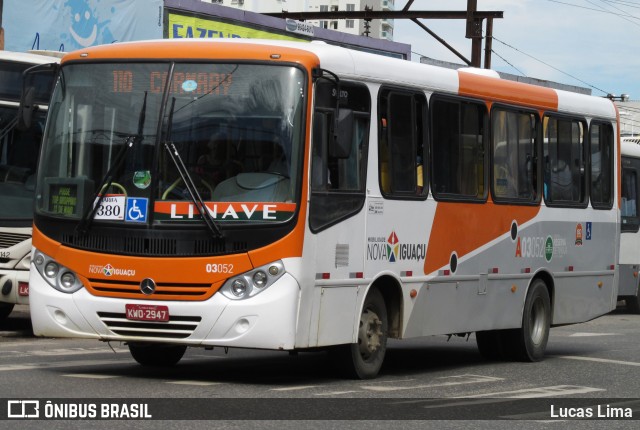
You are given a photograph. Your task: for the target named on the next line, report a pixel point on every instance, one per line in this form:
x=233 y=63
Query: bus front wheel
x=157 y=355
x=362 y=360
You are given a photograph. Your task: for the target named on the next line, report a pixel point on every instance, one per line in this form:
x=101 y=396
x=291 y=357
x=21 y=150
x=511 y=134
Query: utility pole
x=1 y=27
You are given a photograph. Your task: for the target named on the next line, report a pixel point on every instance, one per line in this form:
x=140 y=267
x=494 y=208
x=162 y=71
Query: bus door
x=337 y=214
x=630 y=228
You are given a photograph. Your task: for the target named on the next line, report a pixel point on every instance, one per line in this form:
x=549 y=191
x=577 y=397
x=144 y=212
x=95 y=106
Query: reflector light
x=326 y=276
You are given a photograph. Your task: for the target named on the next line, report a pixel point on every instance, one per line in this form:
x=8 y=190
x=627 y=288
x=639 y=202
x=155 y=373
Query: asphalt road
x=588 y=366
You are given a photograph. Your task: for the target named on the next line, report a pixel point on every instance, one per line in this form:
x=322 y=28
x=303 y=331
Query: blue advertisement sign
x=67 y=25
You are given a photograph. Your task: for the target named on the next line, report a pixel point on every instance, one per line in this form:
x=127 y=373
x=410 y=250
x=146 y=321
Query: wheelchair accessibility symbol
x=136 y=210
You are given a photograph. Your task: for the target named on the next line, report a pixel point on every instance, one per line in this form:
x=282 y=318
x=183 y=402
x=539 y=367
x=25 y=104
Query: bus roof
x=26 y=57
x=365 y=66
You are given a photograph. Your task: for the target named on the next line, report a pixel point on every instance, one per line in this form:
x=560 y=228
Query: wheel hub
x=370 y=333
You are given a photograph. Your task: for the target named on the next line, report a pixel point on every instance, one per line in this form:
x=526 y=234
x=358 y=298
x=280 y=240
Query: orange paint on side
x=465 y=227
x=501 y=90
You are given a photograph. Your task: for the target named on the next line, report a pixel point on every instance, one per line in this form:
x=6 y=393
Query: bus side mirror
x=341 y=145
x=27 y=108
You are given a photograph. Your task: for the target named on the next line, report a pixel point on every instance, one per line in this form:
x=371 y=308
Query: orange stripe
x=500 y=90
x=465 y=227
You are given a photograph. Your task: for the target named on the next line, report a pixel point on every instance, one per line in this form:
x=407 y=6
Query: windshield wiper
x=85 y=222
x=187 y=179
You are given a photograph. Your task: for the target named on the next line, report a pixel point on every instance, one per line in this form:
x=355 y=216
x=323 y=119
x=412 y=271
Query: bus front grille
x=178 y=327
x=137 y=244
x=164 y=290
x=7 y=240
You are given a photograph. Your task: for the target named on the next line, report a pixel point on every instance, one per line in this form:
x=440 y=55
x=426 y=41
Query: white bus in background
x=629 y=289
x=19 y=148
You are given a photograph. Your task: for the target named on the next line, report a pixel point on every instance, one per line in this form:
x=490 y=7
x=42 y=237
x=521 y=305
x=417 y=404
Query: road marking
x=336 y=393
x=64 y=351
x=299 y=387
x=506 y=396
x=598 y=360
x=201 y=383
x=593 y=334
x=79 y=363
x=530 y=393
x=449 y=381
x=90 y=376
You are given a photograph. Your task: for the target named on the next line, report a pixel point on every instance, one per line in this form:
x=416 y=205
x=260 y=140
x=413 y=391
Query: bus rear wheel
x=156 y=355
x=529 y=342
x=363 y=360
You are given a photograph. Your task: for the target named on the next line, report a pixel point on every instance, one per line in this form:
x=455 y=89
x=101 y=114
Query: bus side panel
x=487 y=289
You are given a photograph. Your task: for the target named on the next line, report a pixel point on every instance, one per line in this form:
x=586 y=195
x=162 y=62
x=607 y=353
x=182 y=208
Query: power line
x=589 y=8
x=549 y=65
x=623 y=17
x=503 y=59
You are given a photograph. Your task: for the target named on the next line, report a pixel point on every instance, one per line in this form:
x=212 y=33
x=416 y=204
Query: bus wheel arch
x=391 y=291
x=379 y=316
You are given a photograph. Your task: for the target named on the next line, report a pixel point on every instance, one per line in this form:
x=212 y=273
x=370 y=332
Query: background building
x=379 y=29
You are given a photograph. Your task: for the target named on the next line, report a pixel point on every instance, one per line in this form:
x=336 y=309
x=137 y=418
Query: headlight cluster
x=253 y=282
x=56 y=275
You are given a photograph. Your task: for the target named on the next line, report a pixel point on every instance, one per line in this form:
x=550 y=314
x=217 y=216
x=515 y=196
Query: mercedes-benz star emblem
x=148 y=286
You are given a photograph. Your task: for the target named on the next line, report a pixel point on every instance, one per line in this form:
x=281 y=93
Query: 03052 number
x=219 y=268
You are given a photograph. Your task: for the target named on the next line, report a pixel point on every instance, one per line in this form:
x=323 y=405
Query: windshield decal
x=137 y=209
x=142 y=179
x=111 y=207
x=224 y=211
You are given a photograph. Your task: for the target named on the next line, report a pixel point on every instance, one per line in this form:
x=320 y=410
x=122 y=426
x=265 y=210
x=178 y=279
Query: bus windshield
x=19 y=147
x=237 y=128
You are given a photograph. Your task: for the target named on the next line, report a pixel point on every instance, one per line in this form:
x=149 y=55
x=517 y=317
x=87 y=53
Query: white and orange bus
x=629 y=286
x=19 y=148
x=291 y=196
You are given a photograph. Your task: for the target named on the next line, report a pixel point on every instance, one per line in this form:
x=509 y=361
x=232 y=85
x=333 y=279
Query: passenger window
x=458 y=149
x=629 y=211
x=564 y=162
x=601 y=139
x=513 y=146
x=402 y=143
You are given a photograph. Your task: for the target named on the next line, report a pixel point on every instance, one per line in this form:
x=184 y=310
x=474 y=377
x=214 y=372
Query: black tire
x=5 y=310
x=491 y=344
x=157 y=355
x=529 y=342
x=363 y=360
x=633 y=304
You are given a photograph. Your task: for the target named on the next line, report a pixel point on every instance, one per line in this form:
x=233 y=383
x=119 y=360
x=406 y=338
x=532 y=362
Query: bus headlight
x=252 y=282
x=51 y=269
x=239 y=287
x=56 y=275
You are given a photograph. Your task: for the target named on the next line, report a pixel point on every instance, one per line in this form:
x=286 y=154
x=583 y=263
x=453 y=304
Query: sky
x=588 y=43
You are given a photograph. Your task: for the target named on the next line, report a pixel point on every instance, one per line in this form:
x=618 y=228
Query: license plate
x=147 y=313
x=23 y=289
